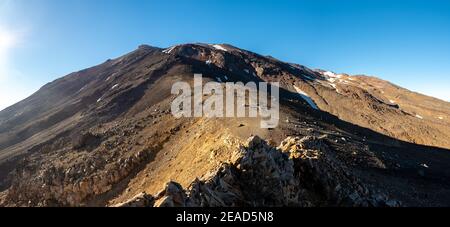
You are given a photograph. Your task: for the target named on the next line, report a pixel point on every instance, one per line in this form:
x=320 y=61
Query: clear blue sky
x=406 y=42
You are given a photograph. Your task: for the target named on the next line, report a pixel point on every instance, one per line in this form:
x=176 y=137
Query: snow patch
x=18 y=114
x=306 y=97
x=81 y=89
x=329 y=74
x=115 y=86
x=111 y=77
x=346 y=82
x=332 y=80
x=208 y=62
x=392 y=101
x=334 y=86
x=169 y=50
x=99 y=100
x=218 y=79
x=219 y=47
x=441 y=118
x=418 y=116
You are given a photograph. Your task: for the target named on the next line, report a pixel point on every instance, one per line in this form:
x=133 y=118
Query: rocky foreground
x=301 y=172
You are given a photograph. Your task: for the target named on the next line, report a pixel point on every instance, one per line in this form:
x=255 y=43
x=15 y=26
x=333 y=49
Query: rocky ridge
x=300 y=172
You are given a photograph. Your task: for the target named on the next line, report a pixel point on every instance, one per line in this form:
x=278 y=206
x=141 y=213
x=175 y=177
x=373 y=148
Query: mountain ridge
x=103 y=135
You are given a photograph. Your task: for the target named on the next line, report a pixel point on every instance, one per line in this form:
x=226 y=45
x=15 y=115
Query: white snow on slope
x=418 y=116
x=332 y=80
x=169 y=50
x=219 y=47
x=330 y=74
x=115 y=86
x=334 y=86
x=346 y=82
x=99 y=100
x=332 y=77
x=84 y=87
x=18 y=114
x=208 y=62
x=440 y=118
x=306 y=97
x=392 y=101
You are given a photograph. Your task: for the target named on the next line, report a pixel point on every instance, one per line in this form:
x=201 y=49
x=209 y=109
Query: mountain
x=105 y=136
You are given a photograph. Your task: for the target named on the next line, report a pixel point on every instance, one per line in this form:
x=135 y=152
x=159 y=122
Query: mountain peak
x=87 y=133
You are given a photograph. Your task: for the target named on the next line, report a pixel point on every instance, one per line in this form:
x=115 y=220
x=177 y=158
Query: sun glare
x=7 y=40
